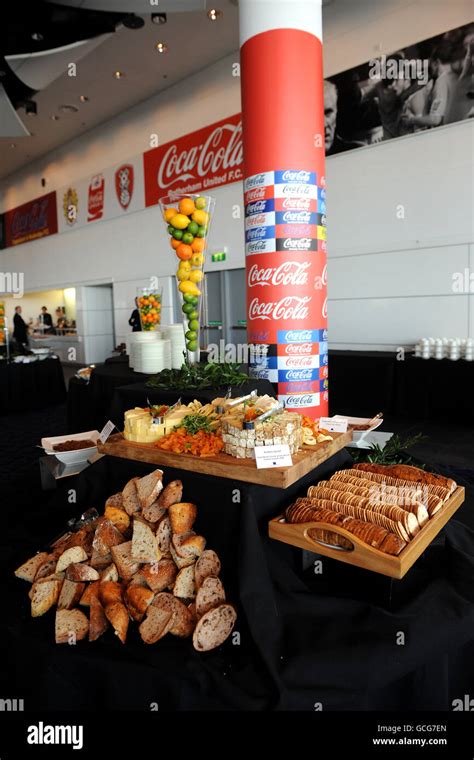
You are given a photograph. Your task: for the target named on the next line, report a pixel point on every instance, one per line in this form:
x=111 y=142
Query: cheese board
x=361 y=554
x=225 y=466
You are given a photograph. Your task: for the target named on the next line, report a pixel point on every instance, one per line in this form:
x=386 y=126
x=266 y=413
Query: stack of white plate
x=149 y=357
x=175 y=334
x=137 y=340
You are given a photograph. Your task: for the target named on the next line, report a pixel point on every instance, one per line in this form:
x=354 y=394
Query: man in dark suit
x=135 y=321
x=20 y=333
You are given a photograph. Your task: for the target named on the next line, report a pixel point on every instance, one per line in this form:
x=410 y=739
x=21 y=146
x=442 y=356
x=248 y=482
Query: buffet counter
x=61 y=345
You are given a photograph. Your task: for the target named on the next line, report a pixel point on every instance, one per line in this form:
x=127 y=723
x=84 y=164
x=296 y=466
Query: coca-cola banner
x=285 y=216
x=196 y=162
x=31 y=220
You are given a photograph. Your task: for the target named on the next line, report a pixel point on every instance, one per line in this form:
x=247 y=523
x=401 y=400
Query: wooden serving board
x=362 y=554
x=225 y=466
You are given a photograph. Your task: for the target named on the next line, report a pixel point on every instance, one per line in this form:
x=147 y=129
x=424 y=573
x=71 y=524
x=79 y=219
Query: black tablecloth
x=128 y=396
x=332 y=638
x=24 y=387
x=364 y=383
x=88 y=405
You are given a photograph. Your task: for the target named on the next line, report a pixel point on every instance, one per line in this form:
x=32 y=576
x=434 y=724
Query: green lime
x=193 y=324
x=170 y=229
x=187 y=238
x=191 y=335
x=194 y=300
x=192 y=345
x=188 y=298
x=200 y=202
x=202 y=231
x=193 y=228
x=177 y=234
x=193 y=314
x=187 y=308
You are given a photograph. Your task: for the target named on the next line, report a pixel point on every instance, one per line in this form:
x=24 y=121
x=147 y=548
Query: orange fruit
x=184 y=252
x=186 y=206
x=170 y=213
x=198 y=245
x=175 y=243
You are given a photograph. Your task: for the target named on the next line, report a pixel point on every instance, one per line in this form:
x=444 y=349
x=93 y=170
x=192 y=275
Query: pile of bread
x=385 y=506
x=140 y=561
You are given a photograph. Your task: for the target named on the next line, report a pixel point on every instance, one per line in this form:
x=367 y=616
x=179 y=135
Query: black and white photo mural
x=420 y=87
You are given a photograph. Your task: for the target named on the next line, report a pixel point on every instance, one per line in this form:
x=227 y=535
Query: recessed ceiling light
x=133 y=22
x=83 y=98
x=119 y=74
x=159 y=18
x=12 y=145
x=68 y=108
x=54 y=117
x=161 y=47
x=37 y=36
x=213 y=14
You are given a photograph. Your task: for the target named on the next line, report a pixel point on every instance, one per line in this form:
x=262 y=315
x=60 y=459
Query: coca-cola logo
x=298 y=374
x=290 y=273
x=256 y=208
x=257 y=233
x=257 y=246
x=299 y=400
x=290 y=307
x=298 y=336
x=297 y=244
x=299 y=361
x=297 y=204
x=255 y=221
x=299 y=349
x=324 y=371
x=323 y=220
x=258 y=179
x=296 y=189
x=324 y=309
x=211 y=157
x=320 y=281
x=303 y=217
x=296 y=176
x=325 y=396
x=255 y=195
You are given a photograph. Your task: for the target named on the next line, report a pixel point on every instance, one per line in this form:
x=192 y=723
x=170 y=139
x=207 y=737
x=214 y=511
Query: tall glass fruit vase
x=188 y=219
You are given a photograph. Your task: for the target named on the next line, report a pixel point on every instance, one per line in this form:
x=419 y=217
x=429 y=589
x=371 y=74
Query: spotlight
x=213 y=14
x=161 y=47
x=159 y=18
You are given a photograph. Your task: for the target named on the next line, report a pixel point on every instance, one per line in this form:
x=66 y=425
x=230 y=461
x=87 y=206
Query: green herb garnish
x=199 y=376
x=193 y=423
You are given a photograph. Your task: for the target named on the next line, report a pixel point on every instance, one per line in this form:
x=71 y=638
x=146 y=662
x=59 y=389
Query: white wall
x=389 y=278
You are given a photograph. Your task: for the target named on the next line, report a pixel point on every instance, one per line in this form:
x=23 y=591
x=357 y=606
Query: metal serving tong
x=158 y=419
x=221 y=409
x=250 y=424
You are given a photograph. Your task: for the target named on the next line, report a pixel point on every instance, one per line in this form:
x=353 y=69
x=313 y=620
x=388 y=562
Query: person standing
x=20 y=332
x=46 y=320
x=135 y=321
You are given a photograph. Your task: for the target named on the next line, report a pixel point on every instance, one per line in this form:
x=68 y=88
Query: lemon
x=180 y=221
x=200 y=217
x=197 y=260
x=189 y=287
x=185 y=266
x=196 y=275
x=183 y=275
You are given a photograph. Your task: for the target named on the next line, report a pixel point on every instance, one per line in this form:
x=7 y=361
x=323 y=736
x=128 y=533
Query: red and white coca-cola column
x=285 y=198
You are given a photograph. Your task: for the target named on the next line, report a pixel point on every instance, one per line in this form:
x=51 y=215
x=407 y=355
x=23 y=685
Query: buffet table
x=365 y=382
x=304 y=638
x=36 y=385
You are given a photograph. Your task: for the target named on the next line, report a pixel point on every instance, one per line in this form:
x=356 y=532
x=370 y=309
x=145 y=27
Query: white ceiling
x=194 y=42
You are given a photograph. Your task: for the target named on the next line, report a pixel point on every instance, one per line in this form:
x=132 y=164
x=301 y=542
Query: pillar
x=285 y=198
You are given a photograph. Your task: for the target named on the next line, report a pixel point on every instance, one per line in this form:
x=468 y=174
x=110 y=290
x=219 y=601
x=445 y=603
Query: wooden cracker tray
x=363 y=555
x=225 y=466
